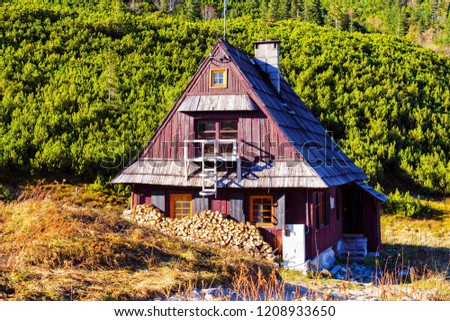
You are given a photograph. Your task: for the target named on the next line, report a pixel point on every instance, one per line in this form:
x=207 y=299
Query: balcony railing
x=211 y=151
x=205 y=149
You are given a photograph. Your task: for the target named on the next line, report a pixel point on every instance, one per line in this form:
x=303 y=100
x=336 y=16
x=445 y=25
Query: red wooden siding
x=275 y=238
x=169 y=143
x=296 y=207
x=140 y=195
x=221 y=204
x=319 y=239
x=257 y=137
x=296 y=212
x=371 y=221
x=235 y=83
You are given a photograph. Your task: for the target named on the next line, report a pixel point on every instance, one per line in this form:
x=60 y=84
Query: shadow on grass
x=400 y=258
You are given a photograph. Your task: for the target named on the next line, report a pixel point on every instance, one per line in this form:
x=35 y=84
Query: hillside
x=65 y=242
x=423 y=21
x=82 y=90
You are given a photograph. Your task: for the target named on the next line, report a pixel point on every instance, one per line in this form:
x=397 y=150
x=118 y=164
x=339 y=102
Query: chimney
x=267 y=56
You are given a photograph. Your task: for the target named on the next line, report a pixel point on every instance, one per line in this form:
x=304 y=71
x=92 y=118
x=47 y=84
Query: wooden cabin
x=239 y=140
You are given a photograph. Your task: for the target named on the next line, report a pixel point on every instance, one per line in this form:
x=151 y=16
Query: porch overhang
x=196 y=103
x=369 y=189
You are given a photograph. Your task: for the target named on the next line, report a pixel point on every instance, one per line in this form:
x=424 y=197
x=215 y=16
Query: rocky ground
x=356 y=282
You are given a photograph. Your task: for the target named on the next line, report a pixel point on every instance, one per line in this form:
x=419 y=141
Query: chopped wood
x=206 y=227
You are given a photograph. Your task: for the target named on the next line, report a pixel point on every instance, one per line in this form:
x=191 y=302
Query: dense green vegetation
x=82 y=89
x=423 y=21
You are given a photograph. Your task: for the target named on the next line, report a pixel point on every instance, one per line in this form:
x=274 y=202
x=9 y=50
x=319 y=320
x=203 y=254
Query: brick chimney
x=267 y=56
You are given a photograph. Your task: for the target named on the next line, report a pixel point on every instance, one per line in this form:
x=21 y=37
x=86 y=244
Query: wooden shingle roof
x=299 y=125
x=279 y=174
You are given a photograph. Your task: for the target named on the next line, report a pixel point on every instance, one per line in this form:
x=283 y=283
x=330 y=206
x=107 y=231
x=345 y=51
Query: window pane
x=209 y=149
x=228 y=135
x=218 y=78
x=205 y=135
x=262 y=210
x=226 y=149
x=181 y=205
x=206 y=125
x=229 y=124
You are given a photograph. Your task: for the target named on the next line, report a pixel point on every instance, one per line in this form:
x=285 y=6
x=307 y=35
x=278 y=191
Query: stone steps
x=353 y=249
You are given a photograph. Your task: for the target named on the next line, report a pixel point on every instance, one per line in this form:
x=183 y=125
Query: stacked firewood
x=210 y=227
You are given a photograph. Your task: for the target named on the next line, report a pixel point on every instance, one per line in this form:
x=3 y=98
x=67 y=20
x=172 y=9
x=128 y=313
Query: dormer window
x=219 y=78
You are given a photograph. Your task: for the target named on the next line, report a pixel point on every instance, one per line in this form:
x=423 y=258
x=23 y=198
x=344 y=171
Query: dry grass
x=423 y=244
x=63 y=243
x=433 y=232
x=417 y=285
x=416 y=256
x=58 y=242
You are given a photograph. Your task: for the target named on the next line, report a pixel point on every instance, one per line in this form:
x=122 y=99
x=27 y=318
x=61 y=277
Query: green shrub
x=5 y=194
x=404 y=205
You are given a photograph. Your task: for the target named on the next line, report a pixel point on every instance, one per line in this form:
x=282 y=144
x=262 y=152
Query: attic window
x=219 y=78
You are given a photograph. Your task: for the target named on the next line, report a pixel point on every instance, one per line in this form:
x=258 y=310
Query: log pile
x=205 y=227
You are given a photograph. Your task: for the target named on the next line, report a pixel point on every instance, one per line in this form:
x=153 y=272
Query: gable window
x=322 y=209
x=261 y=210
x=219 y=78
x=218 y=129
x=180 y=205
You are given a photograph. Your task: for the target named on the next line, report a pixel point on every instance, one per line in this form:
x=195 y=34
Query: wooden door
x=353 y=214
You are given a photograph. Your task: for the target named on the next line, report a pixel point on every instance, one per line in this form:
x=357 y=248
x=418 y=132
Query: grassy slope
x=58 y=246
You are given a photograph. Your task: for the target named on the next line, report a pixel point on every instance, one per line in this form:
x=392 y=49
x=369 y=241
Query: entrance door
x=353 y=215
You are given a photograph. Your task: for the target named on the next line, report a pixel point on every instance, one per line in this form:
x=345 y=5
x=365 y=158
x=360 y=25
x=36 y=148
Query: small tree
x=312 y=12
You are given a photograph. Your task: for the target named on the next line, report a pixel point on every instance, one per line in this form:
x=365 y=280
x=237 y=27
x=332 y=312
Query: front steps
x=352 y=248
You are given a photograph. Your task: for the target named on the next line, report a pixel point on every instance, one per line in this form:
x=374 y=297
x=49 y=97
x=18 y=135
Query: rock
x=208 y=297
x=324 y=260
x=325 y=274
x=335 y=269
x=194 y=295
x=403 y=273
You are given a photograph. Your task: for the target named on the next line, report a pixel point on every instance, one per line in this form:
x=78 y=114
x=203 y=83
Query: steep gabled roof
x=322 y=163
x=298 y=124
